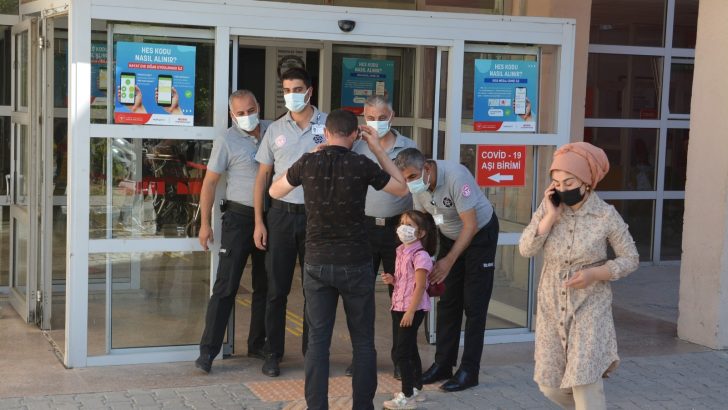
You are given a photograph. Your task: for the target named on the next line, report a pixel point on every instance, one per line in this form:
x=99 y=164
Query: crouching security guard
x=234 y=154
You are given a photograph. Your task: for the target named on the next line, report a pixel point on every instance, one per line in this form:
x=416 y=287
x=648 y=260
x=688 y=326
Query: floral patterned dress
x=575 y=338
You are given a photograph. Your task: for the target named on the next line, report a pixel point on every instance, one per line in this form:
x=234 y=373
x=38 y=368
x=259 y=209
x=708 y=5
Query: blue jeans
x=323 y=284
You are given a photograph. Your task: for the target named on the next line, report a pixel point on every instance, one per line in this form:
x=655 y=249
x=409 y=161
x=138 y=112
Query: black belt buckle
x=223 y=205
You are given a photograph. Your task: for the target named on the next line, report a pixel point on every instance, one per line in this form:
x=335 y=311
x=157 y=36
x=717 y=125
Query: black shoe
x=436 y=373
x=204 y=363
x=397 y=375
x=461 y=381
x=270 y=367
x=349 y=370
x=256 y=354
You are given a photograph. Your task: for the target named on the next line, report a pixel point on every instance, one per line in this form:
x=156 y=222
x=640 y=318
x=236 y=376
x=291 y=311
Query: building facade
x=109 y=245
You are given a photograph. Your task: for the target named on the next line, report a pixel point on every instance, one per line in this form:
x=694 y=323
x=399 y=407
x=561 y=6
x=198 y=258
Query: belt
x=288 y=207
x=238 y=208
x=384 y=221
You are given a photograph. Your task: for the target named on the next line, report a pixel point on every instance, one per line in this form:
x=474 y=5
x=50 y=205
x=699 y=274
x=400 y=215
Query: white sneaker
x=400 y=402
x=418 y=395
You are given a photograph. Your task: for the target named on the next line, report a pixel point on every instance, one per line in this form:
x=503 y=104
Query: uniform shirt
x=234 y=154
x=455 y=193
x=284 y=143
x=381 y=204
x=575 y=339
x=335 y=182
x=410 y=258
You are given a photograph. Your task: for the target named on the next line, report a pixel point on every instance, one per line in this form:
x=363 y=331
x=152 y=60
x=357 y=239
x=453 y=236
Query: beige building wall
x=580 y=10
x=704 y=270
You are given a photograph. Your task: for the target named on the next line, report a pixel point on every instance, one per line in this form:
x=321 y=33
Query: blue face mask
x=418 y=185
x=296 y=102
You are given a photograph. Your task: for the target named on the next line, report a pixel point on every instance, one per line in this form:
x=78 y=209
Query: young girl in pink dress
x=418 y=234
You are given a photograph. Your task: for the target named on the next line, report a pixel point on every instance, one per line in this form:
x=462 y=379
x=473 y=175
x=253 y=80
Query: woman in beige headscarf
x=575 y=340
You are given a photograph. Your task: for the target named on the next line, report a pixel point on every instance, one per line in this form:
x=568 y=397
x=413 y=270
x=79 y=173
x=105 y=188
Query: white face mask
x=407 y=234
x=382 y=127
x=296 y=102
x=247 y=123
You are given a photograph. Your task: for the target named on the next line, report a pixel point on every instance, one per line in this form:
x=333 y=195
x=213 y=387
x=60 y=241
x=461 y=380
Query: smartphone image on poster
x=101 y=84
x=127 y=88
x=164 y=90
x=520 y=101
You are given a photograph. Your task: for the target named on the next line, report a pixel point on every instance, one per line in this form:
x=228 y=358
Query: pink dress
x=409 y=258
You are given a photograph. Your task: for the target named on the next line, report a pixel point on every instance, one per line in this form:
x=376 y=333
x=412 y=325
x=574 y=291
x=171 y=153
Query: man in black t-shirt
x=338 y=258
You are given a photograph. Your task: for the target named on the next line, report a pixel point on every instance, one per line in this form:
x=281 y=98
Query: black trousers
x=286 y=239
x=383 y=241
x=355 y=284
x=407 y=356
x=468 y=288
x=236 y=244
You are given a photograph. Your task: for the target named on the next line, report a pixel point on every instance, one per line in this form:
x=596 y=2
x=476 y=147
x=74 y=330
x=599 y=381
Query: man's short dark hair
x=409 y=157
x=341 y=123
x=297 y=73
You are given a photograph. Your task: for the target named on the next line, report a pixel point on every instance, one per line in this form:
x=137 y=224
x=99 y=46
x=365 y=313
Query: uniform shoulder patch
x=280 y=141
x=466 y=191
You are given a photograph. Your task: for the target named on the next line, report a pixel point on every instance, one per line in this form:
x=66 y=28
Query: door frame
x=24 y=215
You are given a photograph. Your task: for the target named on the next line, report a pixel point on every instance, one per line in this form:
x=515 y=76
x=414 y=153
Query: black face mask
x=570 y=197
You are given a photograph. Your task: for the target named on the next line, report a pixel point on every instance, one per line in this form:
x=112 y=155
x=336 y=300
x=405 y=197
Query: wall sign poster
x=361 y=78
x=98 y=73
x=155 y=84
x=506 y=95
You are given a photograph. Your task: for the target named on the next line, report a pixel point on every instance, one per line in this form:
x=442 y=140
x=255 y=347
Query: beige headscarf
x=582 y=159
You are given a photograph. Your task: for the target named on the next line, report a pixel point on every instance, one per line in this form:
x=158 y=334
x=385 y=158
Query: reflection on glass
x=686 y=23
x=632 y=156
x=146 y=187
x=96 y=326
x=628 y=22
x=6 y=58
x=4 y=244
x=681 y=88
x=640 y=216
x=158 y=299
x=9 y=7
x=402 y=84
x=623 y=86
x=21 y=54
x=672 y=229
x=4 y=155
x=60 y=156
x=20 y=256
x=21 y=166
x=676 y=159
x=511 y=204
x=509 y=303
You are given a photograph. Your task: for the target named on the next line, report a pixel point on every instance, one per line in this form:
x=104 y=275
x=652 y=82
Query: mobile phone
x=555 y=198
x=164 y=90
x=127 y=88
x=102 y=79
x=520 y=101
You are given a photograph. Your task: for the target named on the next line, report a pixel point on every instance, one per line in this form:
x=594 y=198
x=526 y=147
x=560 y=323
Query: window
x=632 y=154
x=628 y=22
x=623 y=86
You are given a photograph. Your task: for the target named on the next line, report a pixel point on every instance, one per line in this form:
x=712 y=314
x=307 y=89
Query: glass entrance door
x=21 y=179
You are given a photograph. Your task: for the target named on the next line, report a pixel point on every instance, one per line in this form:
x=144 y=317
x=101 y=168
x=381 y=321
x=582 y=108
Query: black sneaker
x=256 y=354
x=204 y=363
x=271 y=367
